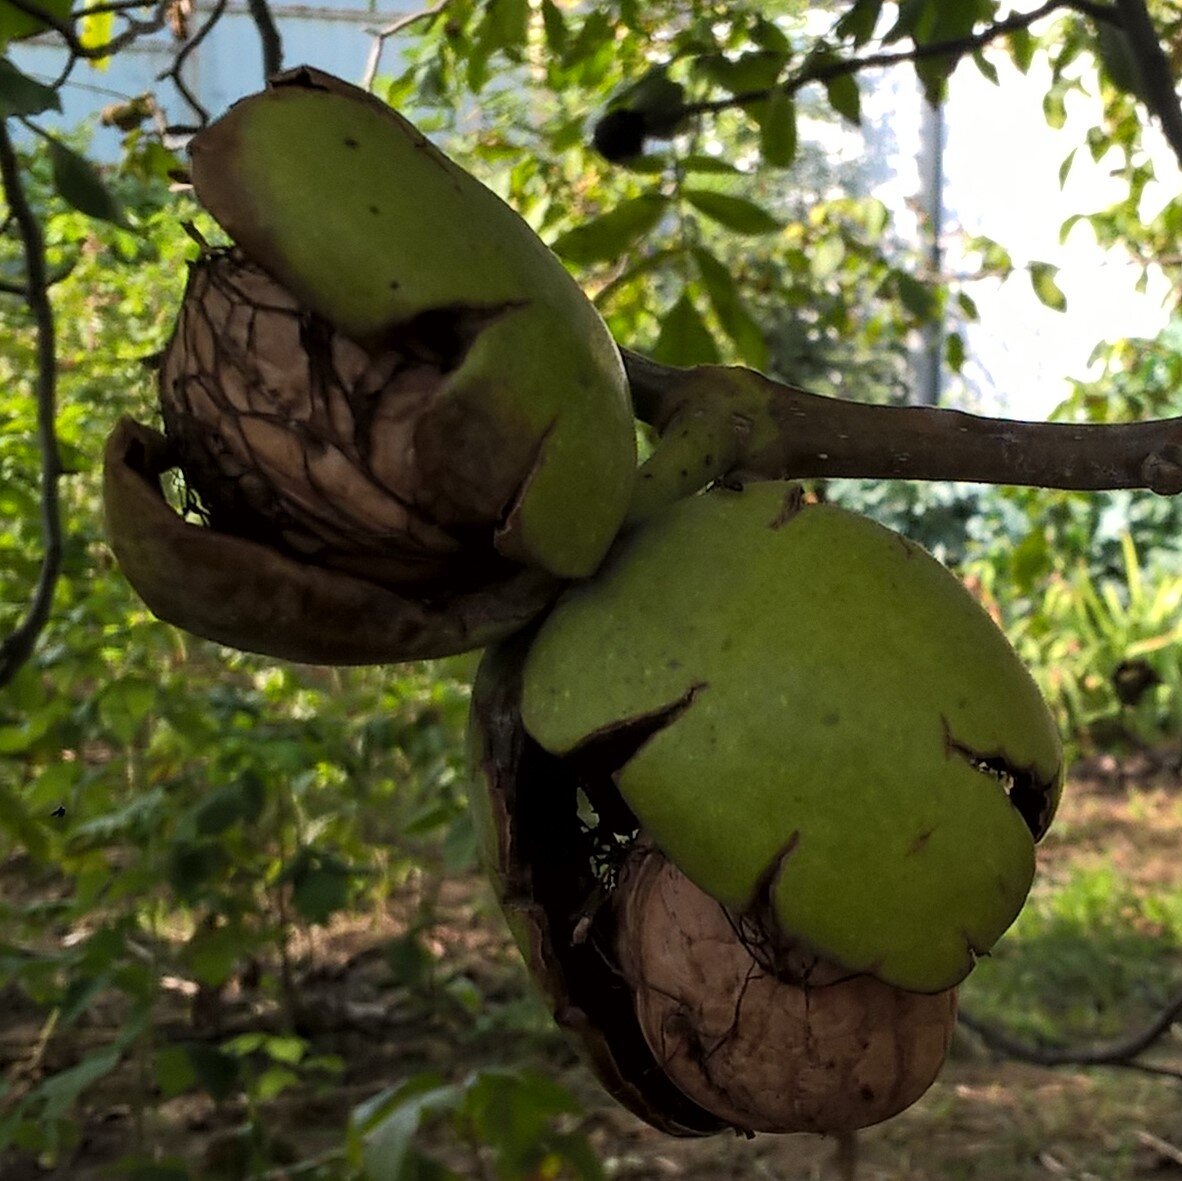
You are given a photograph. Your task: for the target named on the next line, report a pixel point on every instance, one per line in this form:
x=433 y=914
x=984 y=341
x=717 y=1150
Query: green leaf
x=213 y=953
x=753 y=71
x=1042 y=278
x=505 y=24
x=768 y=35
x=711 y=164
x=777 y=130
x=1022 y=46
x=22 y=95
x=1053 y=108
x=97 y=29
x=859 y=21
x=954 y=352
x=684 y=338
x=1119 y=60
x=933 y=73
x=409 y=960
x=827 y=256
x=613 y=233
x=916 y=297
x=60 y=1091
x=215 y=1071
x=227 y=805
x=844 y=97
x=19 y=824
x=1065 y=167
x=15 y=24
x=915 y=18
x=987 y=69
x=555 y=25
x=174 y=1071
x=736 y=213
x=731 y=309
x=382 y=1130
x=320 y=884
x=80 y=185
x=191 y=865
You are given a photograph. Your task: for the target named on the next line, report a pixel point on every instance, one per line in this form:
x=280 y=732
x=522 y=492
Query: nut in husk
x=691 y=1016
x=389 y=378
x=802 y=1046
x=823 y=725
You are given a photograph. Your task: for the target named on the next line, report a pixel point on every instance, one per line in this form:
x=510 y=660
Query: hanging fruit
x=388 y=379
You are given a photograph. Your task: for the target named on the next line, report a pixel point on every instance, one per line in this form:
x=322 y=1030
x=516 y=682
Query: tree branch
x=17 y=647
x=269 y=35
x=381 y=36
x=1120 y=1052
x=1161 y=97
x=22 y=289
x=958 y=47
x=720 y=422
x=64 y=27
x=173 y=73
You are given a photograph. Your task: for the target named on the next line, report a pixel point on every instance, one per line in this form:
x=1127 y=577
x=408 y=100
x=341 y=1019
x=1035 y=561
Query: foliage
x=507 y=1115
x=1082 y=960
x=169 y=811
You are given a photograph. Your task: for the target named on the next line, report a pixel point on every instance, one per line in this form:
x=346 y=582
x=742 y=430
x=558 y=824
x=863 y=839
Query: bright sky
x=1001 y=164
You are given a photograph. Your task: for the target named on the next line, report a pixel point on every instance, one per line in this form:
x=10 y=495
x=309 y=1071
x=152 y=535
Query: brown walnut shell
x=829 y=1051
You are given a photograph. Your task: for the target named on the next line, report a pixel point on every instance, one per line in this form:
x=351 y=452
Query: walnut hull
x=651 y=978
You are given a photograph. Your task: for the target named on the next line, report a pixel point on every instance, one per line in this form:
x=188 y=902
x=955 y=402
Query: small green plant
x=1107 y=652
x=509 y=1124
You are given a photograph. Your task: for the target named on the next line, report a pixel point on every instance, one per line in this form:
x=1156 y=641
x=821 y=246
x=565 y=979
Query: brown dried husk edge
x=249 y=596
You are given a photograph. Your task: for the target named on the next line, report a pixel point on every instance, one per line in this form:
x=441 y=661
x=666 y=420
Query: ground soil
x=985 y=1117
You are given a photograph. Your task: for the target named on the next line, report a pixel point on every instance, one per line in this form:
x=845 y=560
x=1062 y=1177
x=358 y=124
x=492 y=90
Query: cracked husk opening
x=252 y=596
x=294 y=435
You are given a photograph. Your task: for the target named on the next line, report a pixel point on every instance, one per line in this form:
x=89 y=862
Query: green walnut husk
x=815 y=722
x=389 y=377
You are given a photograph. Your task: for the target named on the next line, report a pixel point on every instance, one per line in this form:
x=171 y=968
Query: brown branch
x=1161 y=96
x=381 y=36
x=18 y=646
x=51 y=280
x=173 y=73
x=260 y=13
x=720 y=422
x=64 y=27
x=1119 y=1052
x=957 y=47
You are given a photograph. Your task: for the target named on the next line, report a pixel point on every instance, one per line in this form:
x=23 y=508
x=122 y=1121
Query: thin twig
x=1162 y=1147
x=957 y=47
x=260 y=13
x=16 y=648
x=1121 y=1052
x=22 y=289
x=64 y=27
x=110 y=6
x=173 y=73
x=1161 y=96
x=381 y=36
